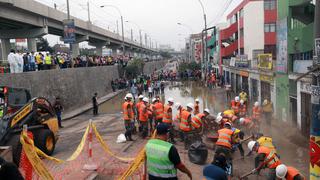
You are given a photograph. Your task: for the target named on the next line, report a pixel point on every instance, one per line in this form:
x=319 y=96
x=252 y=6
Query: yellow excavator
x=18 y=109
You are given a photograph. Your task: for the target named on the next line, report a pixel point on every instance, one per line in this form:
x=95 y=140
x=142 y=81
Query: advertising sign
x=282 y=46
x=69 y=30
x=265 y=61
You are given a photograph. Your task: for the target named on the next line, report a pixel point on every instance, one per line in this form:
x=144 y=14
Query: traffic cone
x=90 y=165
x=24 y=161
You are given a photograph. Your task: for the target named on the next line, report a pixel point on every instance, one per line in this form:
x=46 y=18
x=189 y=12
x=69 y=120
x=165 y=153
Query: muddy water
x=292 y=147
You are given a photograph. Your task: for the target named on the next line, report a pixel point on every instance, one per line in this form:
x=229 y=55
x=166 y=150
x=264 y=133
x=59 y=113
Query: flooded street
x=292 y=147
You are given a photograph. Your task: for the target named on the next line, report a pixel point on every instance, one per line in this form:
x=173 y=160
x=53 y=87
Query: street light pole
x=204 y=44
x=123 y=47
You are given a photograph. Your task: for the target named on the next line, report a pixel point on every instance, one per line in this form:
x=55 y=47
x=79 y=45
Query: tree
x=134 y=68
x=43 y=45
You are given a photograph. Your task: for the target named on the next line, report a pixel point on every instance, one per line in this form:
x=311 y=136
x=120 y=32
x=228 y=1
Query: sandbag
x=198 y=153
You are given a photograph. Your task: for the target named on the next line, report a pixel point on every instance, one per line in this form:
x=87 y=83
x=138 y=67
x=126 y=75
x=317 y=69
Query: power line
x=221 y=13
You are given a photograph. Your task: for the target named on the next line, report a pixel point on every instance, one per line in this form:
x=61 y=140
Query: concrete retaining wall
x=74 y=86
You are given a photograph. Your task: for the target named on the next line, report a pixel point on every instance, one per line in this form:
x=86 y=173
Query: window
x=270 y=4
x=270 y=27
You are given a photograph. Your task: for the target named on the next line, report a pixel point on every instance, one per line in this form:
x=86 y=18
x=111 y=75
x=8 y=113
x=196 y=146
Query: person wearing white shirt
x=12 y=61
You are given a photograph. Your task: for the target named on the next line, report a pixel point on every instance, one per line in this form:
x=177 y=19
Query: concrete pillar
x=75 y=50
x=32 y=44
x=114 y=51
x=99 y=50
x=5 y=48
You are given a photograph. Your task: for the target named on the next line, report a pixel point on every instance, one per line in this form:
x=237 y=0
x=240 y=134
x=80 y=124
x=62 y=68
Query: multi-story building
x=248 y=48
x=194 y=45
x=294 y=55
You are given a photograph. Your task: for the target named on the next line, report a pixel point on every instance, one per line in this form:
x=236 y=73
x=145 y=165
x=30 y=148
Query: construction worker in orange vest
x=235 y=105
x=185 y=125
x=128 y=116
x=197 y=123
x=242 y=109
x=196 y=109
x=288 y=173
x=247 y=124
x=266 y=158
x=256 y=114
x=168 y=118
x=158 y=109
x=138 y=104
x=224 y=142
x=143 y=117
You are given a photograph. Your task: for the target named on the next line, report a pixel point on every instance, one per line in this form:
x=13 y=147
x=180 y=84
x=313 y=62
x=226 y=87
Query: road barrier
x=60 y=168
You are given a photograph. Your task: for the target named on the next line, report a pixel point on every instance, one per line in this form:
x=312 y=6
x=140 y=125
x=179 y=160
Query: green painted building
x=295 y=43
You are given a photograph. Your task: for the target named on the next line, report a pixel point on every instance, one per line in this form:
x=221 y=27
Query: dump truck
x=17 y=109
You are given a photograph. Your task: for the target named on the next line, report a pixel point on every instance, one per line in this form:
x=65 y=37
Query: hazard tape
x=105 y=146
x=138 y=161
x=37 y=164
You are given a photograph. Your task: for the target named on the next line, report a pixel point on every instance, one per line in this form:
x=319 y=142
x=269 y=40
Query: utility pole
x=88 y=5
x=315 y=94
x=123 y=48
x=70 y=44
x=131 y=35
x=146 y=39
x=117 y=27
x=140 y=37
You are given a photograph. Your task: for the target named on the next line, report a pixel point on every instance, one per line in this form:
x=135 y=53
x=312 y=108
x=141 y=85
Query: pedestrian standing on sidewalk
x=58 y=109
x=95 y=104
x=162 y=157
x=267 y=108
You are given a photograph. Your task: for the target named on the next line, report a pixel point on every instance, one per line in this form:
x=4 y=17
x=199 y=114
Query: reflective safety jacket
x=131 y=108
x=224 y=138
x=271 y=159
x=143 y=113
x=196 y=121
x=292 y=173
x=158 y=162
x=167 y=115
x=125 y=109
x=47 y=60
x=266 y=142
x=242 y=110
x=256 y=113
x=158 y=108
x=184 y=124
x=196 y=109
x=235 y=106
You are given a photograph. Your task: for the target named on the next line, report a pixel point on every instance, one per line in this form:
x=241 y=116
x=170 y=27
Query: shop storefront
x=244 y=80
x=266 y=86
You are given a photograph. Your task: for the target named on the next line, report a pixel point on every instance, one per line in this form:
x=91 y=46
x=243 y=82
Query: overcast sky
x=157 y=18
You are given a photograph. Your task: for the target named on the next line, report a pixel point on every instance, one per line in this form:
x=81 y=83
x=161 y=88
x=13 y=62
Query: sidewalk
x=73 y=113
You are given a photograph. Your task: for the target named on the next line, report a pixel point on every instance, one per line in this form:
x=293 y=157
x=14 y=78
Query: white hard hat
x=197 y=100
x=178 y=105
x=237 y=99
x=256 y=103
x=218 y=119
x=207 y=110
x=129 y=95
x=241 y=120
x=251 y=144
x=241 y=101
x=190 y=105
x=145 y=99
x=170 y=100
x=281 y=171
x=141 y=97
x=154 y=99
x=228 y=124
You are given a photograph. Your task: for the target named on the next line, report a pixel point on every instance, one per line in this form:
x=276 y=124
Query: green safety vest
x=158 y=162
x=1 y=113
x=48 y=59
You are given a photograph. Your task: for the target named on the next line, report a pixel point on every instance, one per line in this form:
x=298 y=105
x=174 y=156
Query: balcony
x=301 y=66
x=270 y=16
x=228 y=32
x=229 y=50
x=301 y=39
x=270 y=38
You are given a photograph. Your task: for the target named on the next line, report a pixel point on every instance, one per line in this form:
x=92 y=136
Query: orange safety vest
x=242 y=110
x=126 y=115
x=184 y=124
x=196 y=120
x=131 y=107
x=292 y=172
x=196 y=109
x=224 y=138
x=167 y=116
x=248 y=123
x=138 y=105
x=143 y=113
x=271 y=159
x=256 y=113
x=158 y=108
x=235 y=106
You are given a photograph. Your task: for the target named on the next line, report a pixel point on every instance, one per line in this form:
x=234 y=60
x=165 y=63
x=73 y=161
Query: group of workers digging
x=162 y=157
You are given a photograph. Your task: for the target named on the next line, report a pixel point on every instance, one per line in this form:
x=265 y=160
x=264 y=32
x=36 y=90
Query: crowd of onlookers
x=37 y=61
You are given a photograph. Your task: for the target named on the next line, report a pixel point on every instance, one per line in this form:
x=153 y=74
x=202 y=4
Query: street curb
x=78 y=111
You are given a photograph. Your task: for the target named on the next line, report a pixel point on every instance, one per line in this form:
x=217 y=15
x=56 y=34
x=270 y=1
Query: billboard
x=282 y=46
x=265 y=61
x=69 y=29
